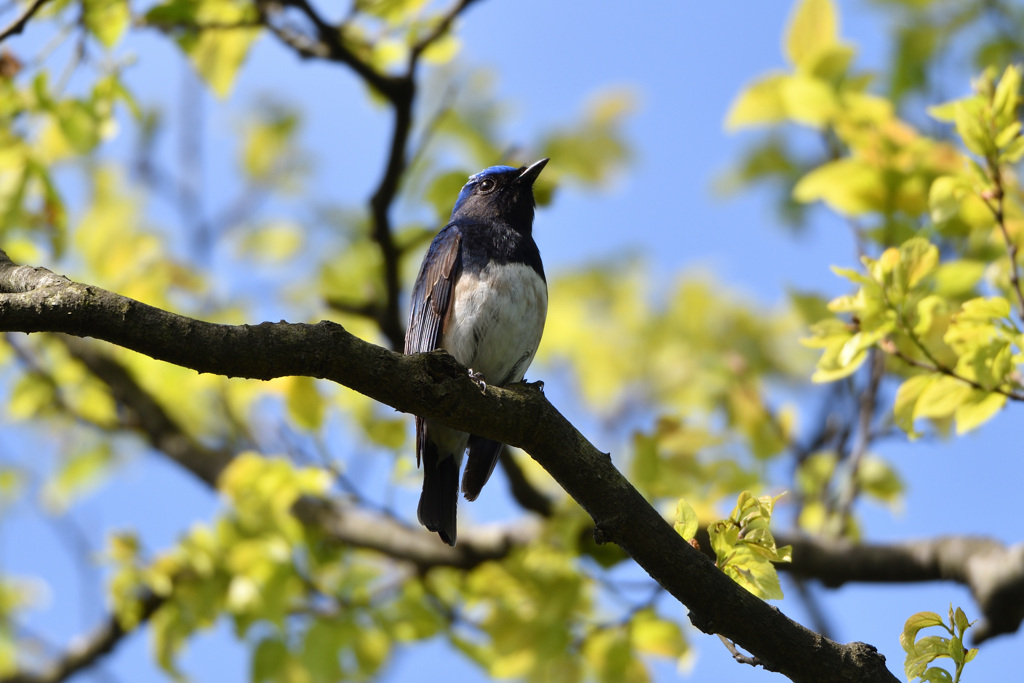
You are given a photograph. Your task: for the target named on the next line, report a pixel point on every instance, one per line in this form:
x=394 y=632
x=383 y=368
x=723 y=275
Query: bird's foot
x=478 y=379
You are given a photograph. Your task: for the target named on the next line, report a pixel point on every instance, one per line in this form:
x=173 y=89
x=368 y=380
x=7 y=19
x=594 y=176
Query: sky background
x=685 y=61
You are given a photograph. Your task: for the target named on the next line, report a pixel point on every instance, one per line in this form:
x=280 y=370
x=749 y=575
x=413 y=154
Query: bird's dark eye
x=486 y=185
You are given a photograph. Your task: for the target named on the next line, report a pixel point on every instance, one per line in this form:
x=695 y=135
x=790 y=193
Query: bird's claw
x=478 y=379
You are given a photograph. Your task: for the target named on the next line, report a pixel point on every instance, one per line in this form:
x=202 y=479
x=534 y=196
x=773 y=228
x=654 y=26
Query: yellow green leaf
x=941 y=397
x=813 y=28
x=1007 y=97
x=978 y=408
x=760 y=103
x=808 y=100
x=305 y=404
x=958 y=278
x=984 y=309
x=274 y=242
x=686 y=520
x=106 y=19
x=906 y=402
x=218 y=53
x=945 y=195
x=918 y=258
x=848 y=186
x=79 y=474
x=877 y=479
x=656 y=636
x=915 y=623
x=442 y=50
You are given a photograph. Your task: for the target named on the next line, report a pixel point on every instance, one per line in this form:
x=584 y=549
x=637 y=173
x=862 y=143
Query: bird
x=481 y=295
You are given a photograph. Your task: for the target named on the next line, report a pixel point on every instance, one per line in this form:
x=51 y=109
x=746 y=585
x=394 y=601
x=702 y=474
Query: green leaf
x=32 y=396
x=972 y=129
x=755 y=574
x=79 y=124
x=809 y=100
x=977 y=408
x=847 y=186
x=217 y=53
x=918 y=259
x=686 y=520
x=1013 y=152
x=274 y=242
x=915 y=623
x=945 y=195
x=906 y=402
x=653 y=635
x=269 y=661
x=79 y=474
x=106 y=19
x=984 y=309
x=934 y=674
x=960 y=621
x=758 y=104
x=814 y=27
x=877 y=479
x=1006 y=98
x=958 y=278
x=941 y=397
x=320 y=650
x=305 y=404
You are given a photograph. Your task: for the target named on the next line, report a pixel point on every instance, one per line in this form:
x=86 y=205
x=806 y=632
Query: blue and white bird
x=481 y=295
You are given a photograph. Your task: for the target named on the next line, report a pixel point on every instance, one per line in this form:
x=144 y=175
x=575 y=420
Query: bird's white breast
x=497 y=318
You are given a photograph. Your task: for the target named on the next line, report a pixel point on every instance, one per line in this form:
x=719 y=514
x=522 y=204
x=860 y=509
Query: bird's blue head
x=500 y=193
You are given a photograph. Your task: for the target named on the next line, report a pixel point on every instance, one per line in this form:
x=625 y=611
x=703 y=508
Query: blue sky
x=685 y=62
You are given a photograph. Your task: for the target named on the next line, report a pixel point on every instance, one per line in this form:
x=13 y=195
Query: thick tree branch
x=434 y=385
x=993 y=572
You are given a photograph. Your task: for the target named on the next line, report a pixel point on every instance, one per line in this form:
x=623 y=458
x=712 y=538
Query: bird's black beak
x=529 y=175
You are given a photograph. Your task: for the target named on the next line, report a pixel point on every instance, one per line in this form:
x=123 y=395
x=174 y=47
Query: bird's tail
x=440 y=494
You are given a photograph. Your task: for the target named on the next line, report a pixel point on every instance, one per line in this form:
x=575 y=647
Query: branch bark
x=435 y=386
x=992 y=571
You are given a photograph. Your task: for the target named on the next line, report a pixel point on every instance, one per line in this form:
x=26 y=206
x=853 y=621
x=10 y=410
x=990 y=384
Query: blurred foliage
x=703 y=392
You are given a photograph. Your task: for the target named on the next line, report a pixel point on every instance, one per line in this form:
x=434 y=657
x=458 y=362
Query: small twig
x=439 y=30
x=328 y=44
x=935 y=366
x=737 y=655
x=997 y=208
x=868 y=401
x=19 y=24
x=195 y=27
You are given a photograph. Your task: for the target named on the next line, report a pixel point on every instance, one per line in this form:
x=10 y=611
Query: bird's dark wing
x=432 y=293
x=429 y=307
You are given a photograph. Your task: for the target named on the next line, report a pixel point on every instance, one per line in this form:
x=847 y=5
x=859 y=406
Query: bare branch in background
x=87 y=649
x=19 y=24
